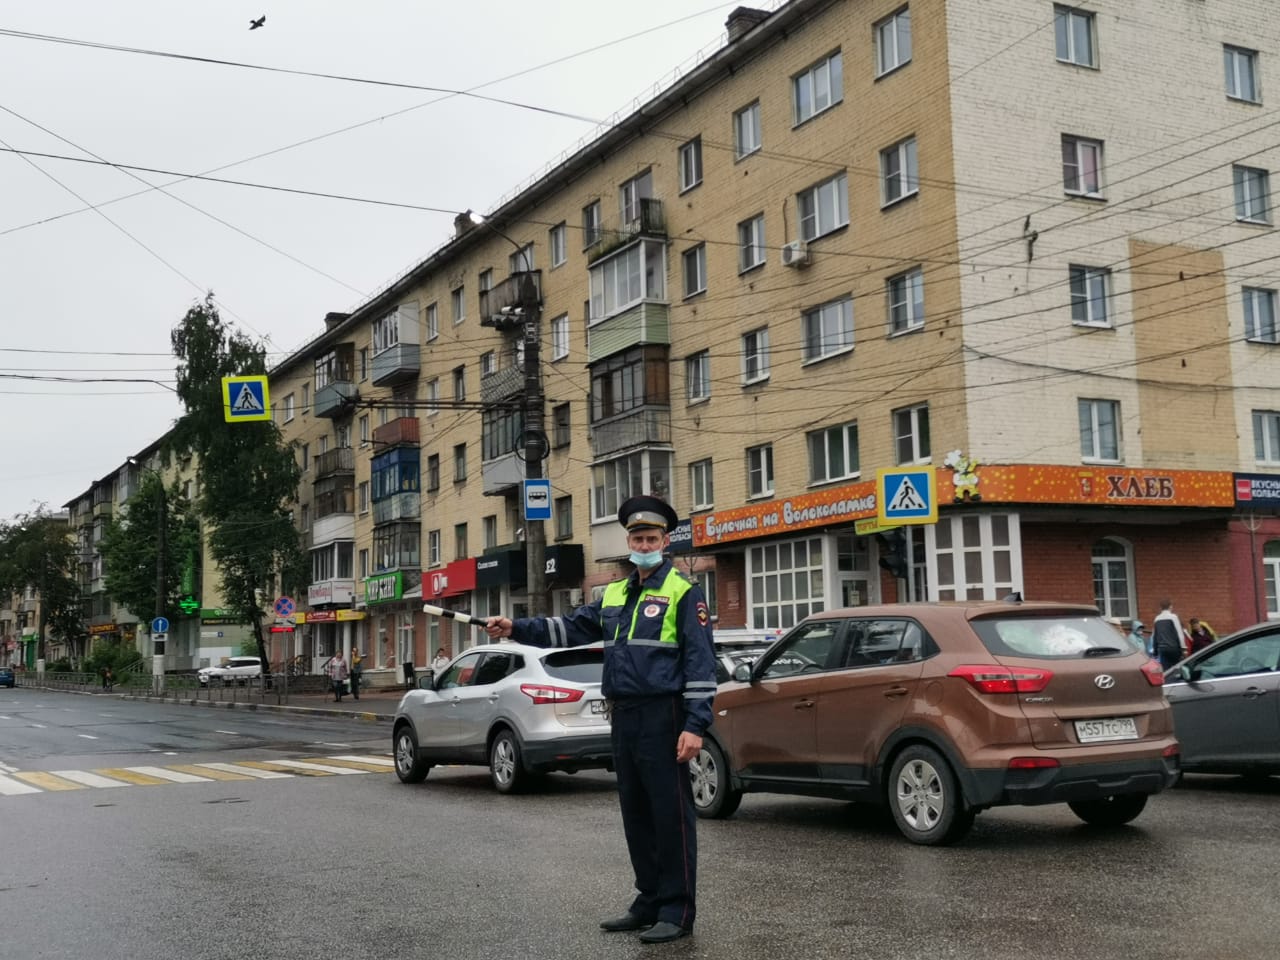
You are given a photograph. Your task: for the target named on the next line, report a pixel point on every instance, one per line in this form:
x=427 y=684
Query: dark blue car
x=6 y=677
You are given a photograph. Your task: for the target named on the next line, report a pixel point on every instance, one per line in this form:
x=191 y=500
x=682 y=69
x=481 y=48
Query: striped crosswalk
x=22 y=782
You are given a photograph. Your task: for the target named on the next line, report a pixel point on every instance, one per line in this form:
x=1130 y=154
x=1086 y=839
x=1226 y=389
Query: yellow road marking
x=210 y=772
x=281 y=768
x=130 y=776
x=47 y=781
x=362 y=766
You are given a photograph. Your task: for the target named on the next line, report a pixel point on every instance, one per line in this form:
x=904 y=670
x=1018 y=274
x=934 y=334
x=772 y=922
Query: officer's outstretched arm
x=575 y=629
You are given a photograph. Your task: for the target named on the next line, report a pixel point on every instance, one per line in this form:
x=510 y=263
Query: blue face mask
x=646 y=561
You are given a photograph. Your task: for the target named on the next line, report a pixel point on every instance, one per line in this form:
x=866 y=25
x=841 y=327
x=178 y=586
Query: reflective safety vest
x=641 y=637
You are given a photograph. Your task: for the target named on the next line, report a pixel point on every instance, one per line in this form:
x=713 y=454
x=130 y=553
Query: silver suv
x=521 y=710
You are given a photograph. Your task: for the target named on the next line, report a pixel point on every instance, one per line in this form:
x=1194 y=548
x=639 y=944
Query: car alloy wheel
x=713 y=795
x=506 y=769
x=925 y=799
x=919 y=795
x=410 y=767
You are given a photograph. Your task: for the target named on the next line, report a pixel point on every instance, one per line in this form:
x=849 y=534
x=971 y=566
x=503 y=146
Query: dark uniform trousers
x=656 y=798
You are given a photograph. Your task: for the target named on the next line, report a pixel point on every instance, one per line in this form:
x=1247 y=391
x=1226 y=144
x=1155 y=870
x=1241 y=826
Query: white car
x=235 y=669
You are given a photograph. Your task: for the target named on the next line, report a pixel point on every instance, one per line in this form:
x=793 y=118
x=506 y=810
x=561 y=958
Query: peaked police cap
x=640 y=512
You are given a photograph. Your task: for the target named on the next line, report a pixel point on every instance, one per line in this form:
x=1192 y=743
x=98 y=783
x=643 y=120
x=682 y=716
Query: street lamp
x=530 y=313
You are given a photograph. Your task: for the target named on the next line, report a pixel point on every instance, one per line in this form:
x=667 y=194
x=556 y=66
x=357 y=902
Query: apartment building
x=1022 y=246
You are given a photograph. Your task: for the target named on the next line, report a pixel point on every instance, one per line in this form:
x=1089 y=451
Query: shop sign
x=386 y=588
x=1104 y=486
x=565 y=563
x=502 y=568
x=837 y=505
x=98 y=628
x=1257 y=489
x=682 y=537
x=330 y=591
x=453 y=580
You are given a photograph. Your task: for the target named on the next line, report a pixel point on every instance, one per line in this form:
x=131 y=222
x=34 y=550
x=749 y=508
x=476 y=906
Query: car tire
x=924 y=797
x=506 y=765
x=1114 y=811
x=713 y=794
x=410 y=767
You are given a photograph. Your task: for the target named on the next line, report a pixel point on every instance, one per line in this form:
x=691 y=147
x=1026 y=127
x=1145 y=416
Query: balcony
x=340 y=460
x=396 y=363
x=650 y=221
x=335 y=496
x=645 y=323
x=501 y=475
x=501 y=384
x=400 y=506
x=507 y=295
x=335 y=381
x=102 y=510
x=27 y=605
x=402 y=430
x=636 y=428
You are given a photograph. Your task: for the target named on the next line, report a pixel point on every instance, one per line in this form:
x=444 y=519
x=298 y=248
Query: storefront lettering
x=1139 y=488
x=787 y=516
x=382 y=588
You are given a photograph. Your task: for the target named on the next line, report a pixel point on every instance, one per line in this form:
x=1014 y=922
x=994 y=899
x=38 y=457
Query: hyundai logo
x=1104 y=681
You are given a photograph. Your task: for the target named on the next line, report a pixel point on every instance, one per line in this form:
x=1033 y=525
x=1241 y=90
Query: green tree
x=130 y=547
x=37 y=550
x=249 y=475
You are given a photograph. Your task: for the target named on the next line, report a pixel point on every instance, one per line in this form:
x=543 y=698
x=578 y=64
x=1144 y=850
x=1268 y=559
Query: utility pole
x=161 y=515
x=535 y=442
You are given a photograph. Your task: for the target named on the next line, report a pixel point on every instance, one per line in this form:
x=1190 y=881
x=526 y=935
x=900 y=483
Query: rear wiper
x=1099 y=651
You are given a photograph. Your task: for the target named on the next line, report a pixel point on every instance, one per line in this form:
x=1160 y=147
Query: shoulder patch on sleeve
x=704 y=615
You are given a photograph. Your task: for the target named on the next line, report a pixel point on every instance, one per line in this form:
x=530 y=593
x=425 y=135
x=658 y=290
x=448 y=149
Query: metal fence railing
x=275 y=688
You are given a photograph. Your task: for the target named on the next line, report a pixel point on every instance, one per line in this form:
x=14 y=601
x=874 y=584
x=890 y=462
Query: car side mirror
x=426 y=682
x=742 y=673
x=1187 y=673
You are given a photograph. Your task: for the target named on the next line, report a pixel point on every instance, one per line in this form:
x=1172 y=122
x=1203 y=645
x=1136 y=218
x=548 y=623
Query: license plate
x=598 y=706
x=1112 y=728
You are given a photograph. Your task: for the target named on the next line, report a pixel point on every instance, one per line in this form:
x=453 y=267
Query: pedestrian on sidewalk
x=357 y=671
x=1201 y=636
x=440 y=662
x=338 y=676
x=1167 y=636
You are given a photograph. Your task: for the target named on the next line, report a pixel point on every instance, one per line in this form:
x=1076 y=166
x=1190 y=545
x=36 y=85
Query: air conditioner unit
x=795 y=254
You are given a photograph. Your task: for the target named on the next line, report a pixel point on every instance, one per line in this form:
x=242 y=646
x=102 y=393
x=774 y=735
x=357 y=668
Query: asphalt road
x=362 y=867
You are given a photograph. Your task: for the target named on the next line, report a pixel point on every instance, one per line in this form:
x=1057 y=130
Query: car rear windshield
x=1052 y=637
x=581 y=665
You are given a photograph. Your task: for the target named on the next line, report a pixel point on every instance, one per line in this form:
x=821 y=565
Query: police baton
x=478 y=622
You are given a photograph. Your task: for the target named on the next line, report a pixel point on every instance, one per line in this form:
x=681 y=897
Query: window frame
x=701 y=484
x=851 y=469
x=689 y=163
x=1249 y=299
x=751 y=242
x=1064 y=21
x=434 y=552
x=834 y=203
x=563 y=513
x=1266 y=437
x=1231 y=74
x=458 y=304
x=834 y=92
x=561 y=432
x=459 y=463
x=1085 y=299
x=761 y=355
x=433 y=322
x=592 y=225
x=883 y=66
x=610 y=279
x=1076 y=144
x=697 y=375
x=911 y=425
x=559 y=337
x=906 y=153
x=760 y=474
x=1098 y=453
x=1102 y=595
x=631 y=194
x=814 y=340
x=751 y=111
x=912 y=281
x=1243 y=181
x=558 y=242
x=698 y=257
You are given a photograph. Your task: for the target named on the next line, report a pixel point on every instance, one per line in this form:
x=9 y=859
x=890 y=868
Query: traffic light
x=893 y=552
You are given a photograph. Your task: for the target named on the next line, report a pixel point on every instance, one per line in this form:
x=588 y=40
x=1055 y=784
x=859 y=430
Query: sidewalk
x=377 y=704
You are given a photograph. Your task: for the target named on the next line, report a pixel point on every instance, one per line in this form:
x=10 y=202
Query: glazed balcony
x=635 y=428
x=400 y=431
x=335 y=381
x=498 y=304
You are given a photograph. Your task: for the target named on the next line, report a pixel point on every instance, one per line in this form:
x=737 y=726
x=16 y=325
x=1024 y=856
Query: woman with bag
x=338 y=676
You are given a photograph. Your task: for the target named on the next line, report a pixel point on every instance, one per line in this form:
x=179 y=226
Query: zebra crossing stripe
x=377 y=763
x=12 y=788
x=47 y=781
x=131 y=776
x=250 y=768
x=173 y=776
x=206 y=772
x=306 y=766
x=88 y=779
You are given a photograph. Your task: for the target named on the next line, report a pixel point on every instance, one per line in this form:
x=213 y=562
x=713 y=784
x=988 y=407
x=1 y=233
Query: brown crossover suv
x=940 y=711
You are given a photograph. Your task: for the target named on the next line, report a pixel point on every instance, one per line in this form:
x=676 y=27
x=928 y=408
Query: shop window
x=1113 y=578
x=975 y=557
x=786 y=583
x=1271 y=575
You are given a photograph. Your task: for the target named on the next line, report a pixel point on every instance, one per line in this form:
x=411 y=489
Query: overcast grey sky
x=76 y=290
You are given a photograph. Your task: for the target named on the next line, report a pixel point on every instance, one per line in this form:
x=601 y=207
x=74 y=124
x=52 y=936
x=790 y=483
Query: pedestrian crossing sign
x=906 y=495
x=245 y=398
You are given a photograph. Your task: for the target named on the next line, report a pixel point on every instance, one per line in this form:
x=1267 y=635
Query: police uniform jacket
x=657 y=640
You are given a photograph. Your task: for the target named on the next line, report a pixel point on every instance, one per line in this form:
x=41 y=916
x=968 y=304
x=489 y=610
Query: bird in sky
x=255 y=24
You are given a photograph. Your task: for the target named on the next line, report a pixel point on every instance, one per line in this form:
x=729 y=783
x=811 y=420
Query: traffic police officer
x=659 y=675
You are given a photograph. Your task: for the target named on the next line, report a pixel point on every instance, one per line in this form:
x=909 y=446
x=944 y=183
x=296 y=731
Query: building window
x=1073 y=36
x=560 y=429
x=697 y=372
x=1242 y=73
x=1271 y=576
x=459 y=463
x=458 y=304
x=906 y=301
x=433 y=322
x=613 y=481
x=1113 y=578
x=433 y=548
x=974 y=557
x=899 y=174
x=695 y=270
x=564 y=517
x=706 y=579
x=751 y=243
x=286 y=406
x=631 y=193
x=364 y=363
x=488 y=363
x=786 y=582
x=305 y=456
x=1100 y=430
x=1081 y=166
x=460 y=383
x=701 y=489
x=363 y=496
x=746 y=130
x=364 y=563
x=817 y=89
x=559 y=246
x=625 y=279
x=306 y=398
x=460 y=541
x=364 y=429
x=755 y=355
x=485 y=280
x=500 y=430
x=560 y=337
x=591 y=224
x=833 y=453
x=433 y=472
x=432 y=396
x=1089 y=296
x=522 y=260
x=911 y=434
x=760 y=470
x=893 y=42
x=1266 y=437
x=629 y=380
x=690 y=164
x=824 y=207
x=1260 y=315
x=828 y=329
x=1253 y=194
x=306 y=515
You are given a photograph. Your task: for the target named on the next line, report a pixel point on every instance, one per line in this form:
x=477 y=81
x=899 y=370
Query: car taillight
x=544 y=693
x=992 y=679
x=1172 y=750
x=1033 y=763
x=1153 y=672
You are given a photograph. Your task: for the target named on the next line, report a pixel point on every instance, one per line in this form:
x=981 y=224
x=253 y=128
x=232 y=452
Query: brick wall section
x=1248 y=590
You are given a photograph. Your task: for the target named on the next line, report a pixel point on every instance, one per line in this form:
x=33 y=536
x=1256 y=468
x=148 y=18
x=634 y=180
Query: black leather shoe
x=663 y=932
x=628 y=921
